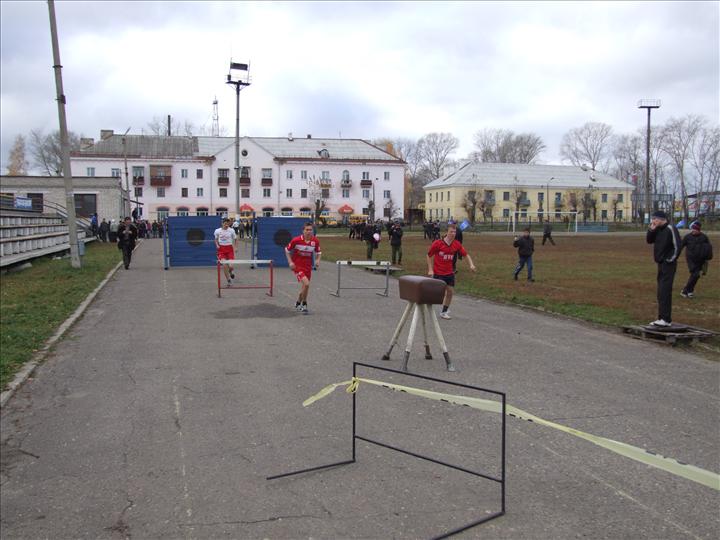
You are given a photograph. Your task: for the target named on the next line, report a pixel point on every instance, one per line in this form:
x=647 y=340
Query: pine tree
x=17 y=164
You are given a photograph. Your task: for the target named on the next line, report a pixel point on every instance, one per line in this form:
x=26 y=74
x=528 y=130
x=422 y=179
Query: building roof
x=163 y=146
x=508 y=174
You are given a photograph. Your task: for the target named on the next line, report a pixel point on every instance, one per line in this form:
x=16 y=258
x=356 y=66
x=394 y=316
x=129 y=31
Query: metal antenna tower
x=215 y=119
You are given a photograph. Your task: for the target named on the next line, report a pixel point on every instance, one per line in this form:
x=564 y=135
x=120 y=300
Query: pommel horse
x=420 y=293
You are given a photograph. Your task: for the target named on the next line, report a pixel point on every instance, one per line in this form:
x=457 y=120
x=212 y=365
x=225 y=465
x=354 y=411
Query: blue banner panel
x=274 y=233
x=192 y=241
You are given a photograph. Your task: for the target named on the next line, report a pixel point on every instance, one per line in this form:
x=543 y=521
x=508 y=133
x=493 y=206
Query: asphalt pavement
x=164 y=409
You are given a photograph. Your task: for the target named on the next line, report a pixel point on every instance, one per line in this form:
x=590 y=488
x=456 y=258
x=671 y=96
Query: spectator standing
x=666 y=249
x=104 y=229
x=547 y=232
x=698 y=251
x=127 y=235
x=396 y=234
x=114 y=225
x=525 y=245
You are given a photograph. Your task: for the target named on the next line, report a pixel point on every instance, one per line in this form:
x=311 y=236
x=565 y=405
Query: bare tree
x=588 y=145
x=680 y=134
x=391 y=210
x=46 y=150
x=159 y=126
x=470 y=202
x=703 y=157
x=17 y=162
x=319 y=194
x=407 y=150
x=434 y=151
x=629 y=155
x=503 y=146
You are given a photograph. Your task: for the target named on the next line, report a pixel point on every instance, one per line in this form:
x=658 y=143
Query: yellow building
x=501 y=191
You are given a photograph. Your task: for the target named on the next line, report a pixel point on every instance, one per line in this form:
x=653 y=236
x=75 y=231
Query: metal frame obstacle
x=252 y=263
x=386 y=264
x=356 y=437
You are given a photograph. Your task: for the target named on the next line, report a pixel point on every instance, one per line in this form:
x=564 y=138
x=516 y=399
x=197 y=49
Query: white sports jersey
x=225 y=237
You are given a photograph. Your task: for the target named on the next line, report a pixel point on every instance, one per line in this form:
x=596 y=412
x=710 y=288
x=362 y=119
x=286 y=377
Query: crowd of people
x=107 y=231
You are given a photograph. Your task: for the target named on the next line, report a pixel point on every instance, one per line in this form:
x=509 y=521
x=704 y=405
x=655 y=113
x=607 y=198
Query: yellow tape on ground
x=690 y=472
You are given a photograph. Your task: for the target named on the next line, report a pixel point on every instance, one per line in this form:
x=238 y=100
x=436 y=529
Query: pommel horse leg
x=423 y=307
x=446 y=355
x=399 y=328
x=411 y=336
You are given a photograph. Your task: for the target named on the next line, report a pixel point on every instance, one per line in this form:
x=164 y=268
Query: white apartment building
x=176 y=175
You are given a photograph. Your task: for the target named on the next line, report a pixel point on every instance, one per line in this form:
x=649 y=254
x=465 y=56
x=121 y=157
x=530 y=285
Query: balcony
x=559 y=203
x=223 y=180
x=489 y=201
x=523 y=202
x=345 y=183
x=325 y=183
x=266 y=182
x=138 y=180
x=161 y=181
x=245 y=181
x=365 y=183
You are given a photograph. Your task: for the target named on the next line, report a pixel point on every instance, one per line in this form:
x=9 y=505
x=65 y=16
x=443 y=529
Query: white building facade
x=278 y=176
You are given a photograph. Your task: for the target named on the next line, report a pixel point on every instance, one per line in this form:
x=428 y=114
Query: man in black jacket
x=127 y=234
x=698 y=250
x=396 y=234
x=526 y=247
x=666 y=251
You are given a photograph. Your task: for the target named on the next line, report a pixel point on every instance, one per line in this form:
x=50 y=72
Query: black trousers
x=127 y=254
x=665 y=277
x=548 y=236
x=695 y=270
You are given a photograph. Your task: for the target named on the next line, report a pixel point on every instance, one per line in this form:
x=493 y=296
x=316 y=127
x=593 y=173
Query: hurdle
x=252 y=263
x=386 y=264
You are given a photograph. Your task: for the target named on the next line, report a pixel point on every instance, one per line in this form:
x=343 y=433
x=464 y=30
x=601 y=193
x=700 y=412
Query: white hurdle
x=252 y=263
x=386 y=264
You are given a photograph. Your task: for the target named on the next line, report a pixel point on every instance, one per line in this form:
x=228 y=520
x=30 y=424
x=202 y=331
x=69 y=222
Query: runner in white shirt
x=224 y=240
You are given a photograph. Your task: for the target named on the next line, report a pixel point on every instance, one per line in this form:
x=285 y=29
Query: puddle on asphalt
x=257 y=311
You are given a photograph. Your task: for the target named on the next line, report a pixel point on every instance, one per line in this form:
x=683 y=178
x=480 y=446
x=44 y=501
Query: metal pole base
x=448 y=362
x=428 y=356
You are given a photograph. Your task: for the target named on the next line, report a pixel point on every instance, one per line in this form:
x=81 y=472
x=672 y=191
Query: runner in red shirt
x=299 y=253
x=440 y=264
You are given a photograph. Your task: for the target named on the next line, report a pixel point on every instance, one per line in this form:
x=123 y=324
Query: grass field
x=607 y=279
x=36 y=301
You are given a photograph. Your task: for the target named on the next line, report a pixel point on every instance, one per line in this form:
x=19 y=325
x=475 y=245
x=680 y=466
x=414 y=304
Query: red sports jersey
x=301 y=252
x=442 y=263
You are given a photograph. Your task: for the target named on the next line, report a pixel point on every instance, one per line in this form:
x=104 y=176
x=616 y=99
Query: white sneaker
x=690 y=295
x=445 y=315
x=661 y=322
x=229 y=281
x=684 y=294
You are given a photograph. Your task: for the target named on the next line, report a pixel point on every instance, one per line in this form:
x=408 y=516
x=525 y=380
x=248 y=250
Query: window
x=303 y=175
x=138 y=172
x=523 y=214
x=115 y=173
x=506 y=212
x=603 y=214
x=162 y=213
x=441 y=212
x=286 y=212
x=620 y=197
x=267 y=212
x=436 y=196
x=160 y=192
x=303 y=193
x=266 y=192
x=288 y=193
x=325 y=193
x=244 y=172
x=366 y=211
x=557 y=214
x=183 y=173
x=184 y=192
x=619 y=214
x=223 y=192
x=441 y=196
x=386 y=212
x=325 y=175
x=267 y=173
x=222 y=212
x=201 y=212
x=288 y=175
x=346 y=193
x=90 y=171
x=386 y=194
x=366 y=193
x=245 y=193
x=506 y=195
x=199 y=174
x=139 y=211
x=346 y=175
x=366 y=175
x=223 y=173
x=182 y=211
x=199 y=192
x=138 y=192
x=541 y=196
x=386 y=175
x=448 y=197
x=603 y=197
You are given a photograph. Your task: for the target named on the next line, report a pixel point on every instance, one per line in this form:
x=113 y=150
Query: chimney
x=309 y=136
x=106 y=134
x=290 y=137
x=86 y=143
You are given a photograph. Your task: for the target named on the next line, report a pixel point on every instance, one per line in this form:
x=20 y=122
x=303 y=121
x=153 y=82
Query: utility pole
x=239 y=84
x=67 y=172
x=648 y=104
x=126 y=207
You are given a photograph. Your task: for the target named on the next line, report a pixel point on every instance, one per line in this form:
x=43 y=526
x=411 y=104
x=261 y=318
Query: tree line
x=684 y=154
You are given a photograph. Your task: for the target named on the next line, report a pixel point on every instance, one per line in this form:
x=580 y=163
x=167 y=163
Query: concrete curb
x=27 y=370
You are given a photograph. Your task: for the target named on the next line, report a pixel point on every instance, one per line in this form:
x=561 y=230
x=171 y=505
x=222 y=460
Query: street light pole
x=648 y=104
x=67 y=172
x=547 y=202
x=239 y=84
x=126 y=207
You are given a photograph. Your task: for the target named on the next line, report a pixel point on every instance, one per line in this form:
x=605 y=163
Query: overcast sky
x=360 y=70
